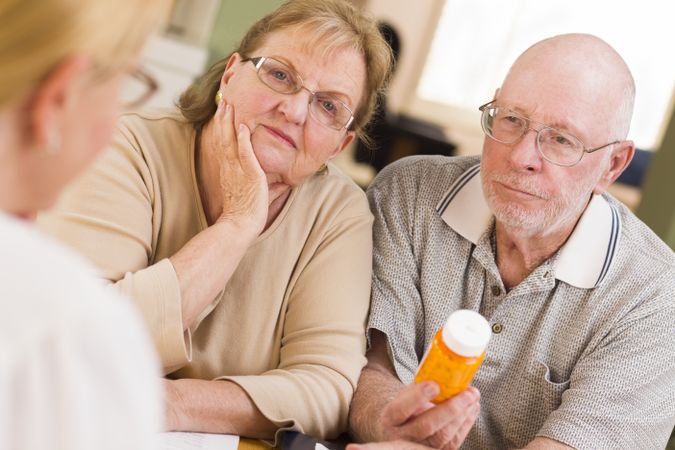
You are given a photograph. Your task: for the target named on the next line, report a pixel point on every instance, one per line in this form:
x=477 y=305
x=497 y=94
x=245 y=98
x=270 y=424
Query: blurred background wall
x=453 y=54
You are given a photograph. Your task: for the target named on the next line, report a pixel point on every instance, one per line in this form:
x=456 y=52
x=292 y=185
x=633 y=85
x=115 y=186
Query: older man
x=580 y=294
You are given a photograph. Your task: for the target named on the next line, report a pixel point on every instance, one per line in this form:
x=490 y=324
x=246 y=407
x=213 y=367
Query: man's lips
x=518 y=191
x=281 y=136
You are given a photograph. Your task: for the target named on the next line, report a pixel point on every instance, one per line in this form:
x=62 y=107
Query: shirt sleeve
x=80 y=384
x=622 y=392
x=107 y=215
x=396 y=305
x=323 y=343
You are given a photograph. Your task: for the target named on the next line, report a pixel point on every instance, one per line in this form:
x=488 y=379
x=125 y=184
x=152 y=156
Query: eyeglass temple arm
x=482 y=107
x=591 y=150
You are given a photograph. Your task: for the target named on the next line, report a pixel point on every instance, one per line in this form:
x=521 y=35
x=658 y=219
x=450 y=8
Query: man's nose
x=524 y=154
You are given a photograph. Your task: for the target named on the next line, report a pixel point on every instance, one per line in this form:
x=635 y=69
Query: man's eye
x=511 y=120
x=563 y=140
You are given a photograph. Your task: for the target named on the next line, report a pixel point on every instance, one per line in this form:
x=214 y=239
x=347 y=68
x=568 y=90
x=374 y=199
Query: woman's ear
x=229 y=69
x=54 y=98
x=349 y=137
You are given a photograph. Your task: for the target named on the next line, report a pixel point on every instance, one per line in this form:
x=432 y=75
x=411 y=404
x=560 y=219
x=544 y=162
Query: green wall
x=234 y=19
x=657 y=207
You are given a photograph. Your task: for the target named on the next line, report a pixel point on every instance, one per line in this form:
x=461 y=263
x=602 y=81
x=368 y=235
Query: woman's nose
x=295 y=107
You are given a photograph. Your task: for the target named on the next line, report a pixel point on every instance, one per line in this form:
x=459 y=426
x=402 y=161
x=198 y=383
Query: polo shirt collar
x=583 y=261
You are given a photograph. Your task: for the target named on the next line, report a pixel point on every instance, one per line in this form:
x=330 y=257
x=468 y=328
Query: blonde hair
x=335 y=23
x=36 y=35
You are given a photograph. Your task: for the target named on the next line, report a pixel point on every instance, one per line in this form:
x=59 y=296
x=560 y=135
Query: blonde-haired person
x=250 y=259
x=69 y=379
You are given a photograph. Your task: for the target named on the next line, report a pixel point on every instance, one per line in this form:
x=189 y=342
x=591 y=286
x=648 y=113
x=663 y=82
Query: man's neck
x=519 y=253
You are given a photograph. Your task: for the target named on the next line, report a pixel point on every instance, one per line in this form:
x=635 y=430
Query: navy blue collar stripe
x=611 y=248
x=459 y=184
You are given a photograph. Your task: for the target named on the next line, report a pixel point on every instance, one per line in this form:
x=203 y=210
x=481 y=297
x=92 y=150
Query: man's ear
x=54 y=96
x=621 y=156
x=235 y=58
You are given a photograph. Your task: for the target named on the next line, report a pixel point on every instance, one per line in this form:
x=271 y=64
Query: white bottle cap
x=466 y=333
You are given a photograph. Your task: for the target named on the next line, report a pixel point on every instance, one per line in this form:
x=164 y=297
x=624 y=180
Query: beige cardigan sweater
x=288 y=326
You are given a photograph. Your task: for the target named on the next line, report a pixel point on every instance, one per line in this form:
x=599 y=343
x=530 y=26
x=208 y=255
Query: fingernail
x=241 y=128
x=228 y=108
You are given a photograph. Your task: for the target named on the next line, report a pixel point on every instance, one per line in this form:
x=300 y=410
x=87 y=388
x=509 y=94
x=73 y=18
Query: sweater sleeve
x=111 y=215
x=323 y=343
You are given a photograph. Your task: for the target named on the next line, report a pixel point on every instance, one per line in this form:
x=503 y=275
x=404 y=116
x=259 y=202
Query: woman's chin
x=276 y=190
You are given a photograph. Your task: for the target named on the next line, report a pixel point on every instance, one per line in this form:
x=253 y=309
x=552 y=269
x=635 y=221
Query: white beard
x=557 y=211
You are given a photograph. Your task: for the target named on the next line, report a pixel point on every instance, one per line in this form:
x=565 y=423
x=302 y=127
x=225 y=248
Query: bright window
x=477 y=40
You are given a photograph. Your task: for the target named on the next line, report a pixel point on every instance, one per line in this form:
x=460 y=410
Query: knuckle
x=390 y=416
x=441 y=438
x=422 y=430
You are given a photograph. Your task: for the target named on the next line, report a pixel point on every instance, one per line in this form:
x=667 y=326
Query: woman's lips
x=281 y=136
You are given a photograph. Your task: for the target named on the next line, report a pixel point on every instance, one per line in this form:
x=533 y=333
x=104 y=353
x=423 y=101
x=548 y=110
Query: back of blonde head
x=35 y=35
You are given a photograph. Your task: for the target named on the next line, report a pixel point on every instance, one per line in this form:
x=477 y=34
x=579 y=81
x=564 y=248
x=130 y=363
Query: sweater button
x=497 y=328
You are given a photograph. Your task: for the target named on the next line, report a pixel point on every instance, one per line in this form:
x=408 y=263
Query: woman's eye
x=280 y=75
x=328 y=106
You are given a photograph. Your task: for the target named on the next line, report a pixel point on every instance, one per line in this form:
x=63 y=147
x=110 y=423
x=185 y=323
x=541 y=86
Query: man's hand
x=385 y=410
x=412 y=417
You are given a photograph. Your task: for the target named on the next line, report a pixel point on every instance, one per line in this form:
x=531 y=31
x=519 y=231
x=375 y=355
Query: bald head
x=578 y=70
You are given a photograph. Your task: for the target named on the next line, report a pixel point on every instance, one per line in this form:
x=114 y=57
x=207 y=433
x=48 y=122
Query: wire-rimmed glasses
x=555 y=146
x=324 y=107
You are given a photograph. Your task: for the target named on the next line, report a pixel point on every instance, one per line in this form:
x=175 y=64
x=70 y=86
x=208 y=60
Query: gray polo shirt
x=582 y=350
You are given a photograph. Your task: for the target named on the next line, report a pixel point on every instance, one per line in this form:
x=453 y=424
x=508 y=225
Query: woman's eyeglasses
x=325 y=108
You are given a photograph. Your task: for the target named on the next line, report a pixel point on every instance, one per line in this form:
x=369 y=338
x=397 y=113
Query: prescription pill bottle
x=456 y=353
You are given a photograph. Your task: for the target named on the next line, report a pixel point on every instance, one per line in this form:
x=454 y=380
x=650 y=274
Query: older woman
x=249 y=256
x=68 y=378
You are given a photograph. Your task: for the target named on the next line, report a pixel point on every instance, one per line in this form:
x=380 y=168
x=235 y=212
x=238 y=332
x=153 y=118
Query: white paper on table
x=320 y=447
x=197 y=441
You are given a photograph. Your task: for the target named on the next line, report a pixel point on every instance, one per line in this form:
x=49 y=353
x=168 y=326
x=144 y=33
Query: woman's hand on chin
x=243 y=184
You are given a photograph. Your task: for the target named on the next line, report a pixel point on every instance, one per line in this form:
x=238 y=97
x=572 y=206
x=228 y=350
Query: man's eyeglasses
x=555 y=146
x=137 y=88
x=325 y=108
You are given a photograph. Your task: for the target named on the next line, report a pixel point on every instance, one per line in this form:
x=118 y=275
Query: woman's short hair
x=335 y=23
x=36 y=35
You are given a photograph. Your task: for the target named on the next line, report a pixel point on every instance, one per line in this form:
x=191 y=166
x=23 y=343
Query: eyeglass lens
x=508 y=127
x=324 y=107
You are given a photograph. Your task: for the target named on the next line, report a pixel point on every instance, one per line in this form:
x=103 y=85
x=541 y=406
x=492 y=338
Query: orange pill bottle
x=455 y=354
